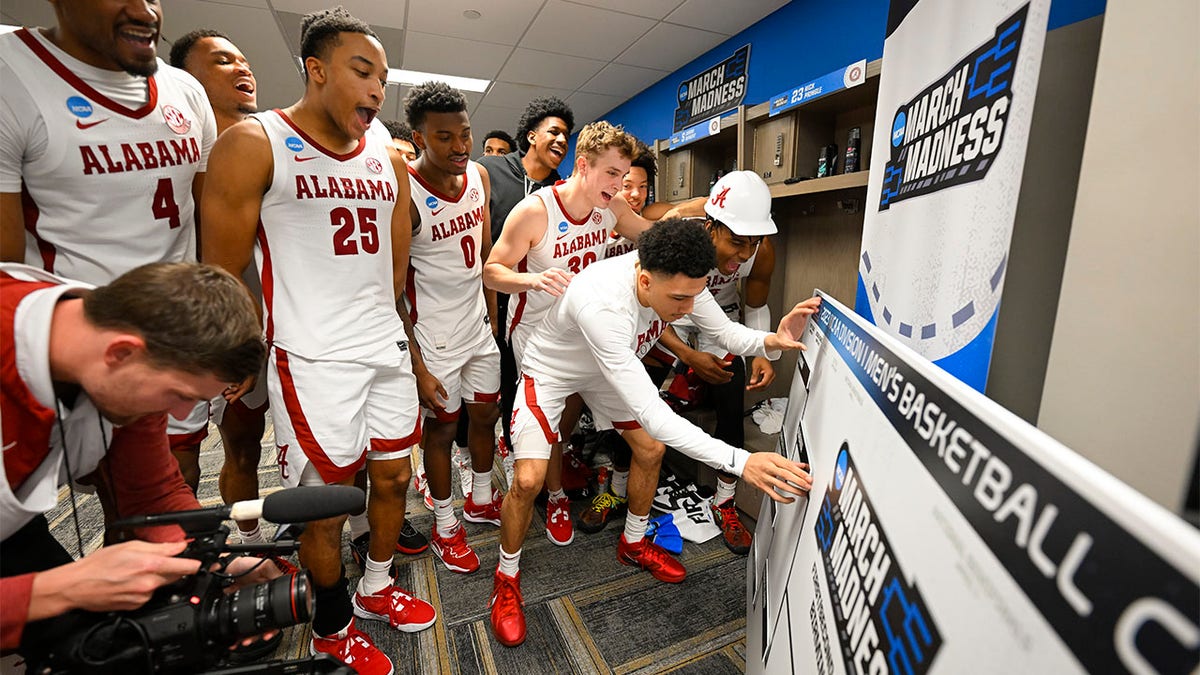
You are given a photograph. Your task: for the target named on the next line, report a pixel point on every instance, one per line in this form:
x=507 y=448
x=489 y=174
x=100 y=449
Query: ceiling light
x=471 y=14
x=414 y=77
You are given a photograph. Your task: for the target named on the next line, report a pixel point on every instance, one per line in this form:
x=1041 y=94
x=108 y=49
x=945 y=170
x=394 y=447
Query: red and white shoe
x=421 y=485
x=394 y=605
x=483 y=513
x=354 y=649
x=508 y=610
x=559 y=528
x=453 y=551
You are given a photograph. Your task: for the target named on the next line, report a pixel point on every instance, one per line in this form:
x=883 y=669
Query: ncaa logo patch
x=563 y=227
x=431 y=202
x=374 y=165
x=178 y=122
x=294 y=144
x=79 y=106
x=596 y=217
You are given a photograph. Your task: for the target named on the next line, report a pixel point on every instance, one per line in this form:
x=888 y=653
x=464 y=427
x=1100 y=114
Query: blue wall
x=799 y=42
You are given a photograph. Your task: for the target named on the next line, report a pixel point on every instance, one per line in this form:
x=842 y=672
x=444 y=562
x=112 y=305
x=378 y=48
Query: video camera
x=188 y=626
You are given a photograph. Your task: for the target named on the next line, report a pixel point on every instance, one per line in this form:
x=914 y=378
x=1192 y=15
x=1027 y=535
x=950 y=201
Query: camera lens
x=279 y=603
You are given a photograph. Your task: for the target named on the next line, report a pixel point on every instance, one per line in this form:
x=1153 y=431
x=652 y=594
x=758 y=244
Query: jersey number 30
x=348 y=225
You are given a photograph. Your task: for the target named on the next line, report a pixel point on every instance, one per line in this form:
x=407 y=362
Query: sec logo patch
x=374 y=165
x=176 y=120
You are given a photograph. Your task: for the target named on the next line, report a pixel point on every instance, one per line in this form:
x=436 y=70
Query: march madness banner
x=945 y=535
x=955 y=103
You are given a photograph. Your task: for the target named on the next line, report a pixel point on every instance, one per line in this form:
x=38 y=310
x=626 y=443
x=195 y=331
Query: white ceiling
x=594 y=54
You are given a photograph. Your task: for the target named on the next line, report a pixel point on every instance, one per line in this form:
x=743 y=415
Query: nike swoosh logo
x=88 y=125
x=434 y=213
x=304 y=159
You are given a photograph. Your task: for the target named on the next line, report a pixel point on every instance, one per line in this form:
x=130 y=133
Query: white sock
x=443 y=512
x=254 y=536
x=481 y=484
x=620 y=482
x=725 y=491
x=359 y=525
x=375 y=577
x=510 y=563
x=635 y=528
x=556 y=495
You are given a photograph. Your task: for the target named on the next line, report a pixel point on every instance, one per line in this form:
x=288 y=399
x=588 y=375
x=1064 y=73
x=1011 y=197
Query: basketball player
x=319 y=194
x=455 y=357
x=401 y=135
x=551 y=235
x=542 y=136
x=102 y=150
x=590 y=343
x=223 y=71
x=498 y=142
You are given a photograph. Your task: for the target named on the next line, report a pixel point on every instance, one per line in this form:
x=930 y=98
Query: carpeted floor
x=586 y=612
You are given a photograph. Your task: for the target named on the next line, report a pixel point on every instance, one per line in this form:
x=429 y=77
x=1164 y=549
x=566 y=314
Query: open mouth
x=606 y=196
x=558 y=151
x=366 y=116
x=244 y=86
x=141 y=36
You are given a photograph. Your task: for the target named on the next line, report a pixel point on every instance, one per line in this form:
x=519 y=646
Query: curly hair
x=502 y=135
x=597 y=137
x=195 y=318
x=183 y=46
x=398 y=129
x=319 y=31
x=677 y=246
x=538 y=110
x=432 y=96
x=645 y=160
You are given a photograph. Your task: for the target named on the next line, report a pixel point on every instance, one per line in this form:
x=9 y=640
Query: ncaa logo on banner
x=79 y=106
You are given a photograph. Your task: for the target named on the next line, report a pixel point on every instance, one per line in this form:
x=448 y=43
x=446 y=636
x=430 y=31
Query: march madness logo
x=881 y=618
x=949 y=133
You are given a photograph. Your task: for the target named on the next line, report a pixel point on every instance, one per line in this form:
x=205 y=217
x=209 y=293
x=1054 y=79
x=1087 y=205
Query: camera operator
x=89 y=375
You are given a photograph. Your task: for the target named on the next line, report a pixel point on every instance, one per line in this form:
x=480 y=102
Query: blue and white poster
x=943 y=534
x=955 y=103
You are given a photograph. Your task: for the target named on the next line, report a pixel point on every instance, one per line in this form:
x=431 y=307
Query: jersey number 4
x=164 y=205
x=360 y=222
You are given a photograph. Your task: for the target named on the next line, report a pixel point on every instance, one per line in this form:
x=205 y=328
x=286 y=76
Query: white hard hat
x=742 y=202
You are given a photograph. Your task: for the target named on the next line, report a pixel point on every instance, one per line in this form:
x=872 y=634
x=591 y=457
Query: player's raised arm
x=525 y=227
x=232 y=198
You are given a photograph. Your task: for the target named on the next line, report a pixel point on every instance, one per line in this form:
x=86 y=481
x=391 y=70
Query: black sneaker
x=360 y=548
x=411 y=542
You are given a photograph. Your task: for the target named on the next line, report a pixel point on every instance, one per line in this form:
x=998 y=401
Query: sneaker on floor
x=604 y=507
x=508 y=613
x=559 y=529
x=354 y=649
x=652 y=558
x=483 y=513
x=395 y=606
x=360 y=548
x=737 y=537
x=461 y=459
x=421 y=485
x=411 y=542
x=454 y=552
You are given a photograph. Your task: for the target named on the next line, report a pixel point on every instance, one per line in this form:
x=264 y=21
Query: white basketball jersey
x=324 y=248
x=113 y=188
x=568 y=244
x=618 y=246
x=444 y=291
